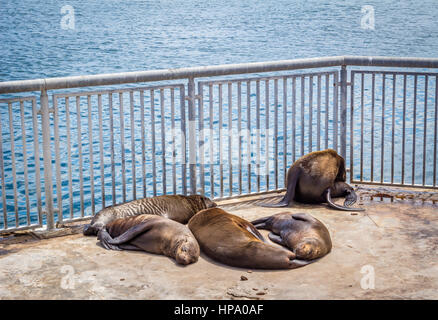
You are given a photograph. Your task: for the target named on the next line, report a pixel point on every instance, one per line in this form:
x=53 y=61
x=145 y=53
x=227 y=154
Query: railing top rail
x=210 y=71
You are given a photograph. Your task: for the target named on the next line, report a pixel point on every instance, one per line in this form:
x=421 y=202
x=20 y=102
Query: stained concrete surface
x=396 y=238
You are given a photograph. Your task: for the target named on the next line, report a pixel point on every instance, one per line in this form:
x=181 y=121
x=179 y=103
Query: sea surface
x=117 y=36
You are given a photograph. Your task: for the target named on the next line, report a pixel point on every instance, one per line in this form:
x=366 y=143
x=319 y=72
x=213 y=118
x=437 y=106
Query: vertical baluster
x=201 y=142
x=258 y=133
x=143 y=144
x=134 y=177
x=154 y=166
x=362 y=93
x=394 y=78
x=310 y=113
x=230 y=128
x=318 y=117
x=248 y=123
x=382 y=154
x=81 y=173
x=90 y=137
x=25 y=169
x=294 y=114
x=426 y=80
x=220 y=143
x=102 y=172
x=57 y=157
x=163 y=142
x=14 y=171
x=212 y=160
x=414 y=129
x=267 y=133
x=404 y=130
x=122 y=144
x=113 y=165
x=302 y=114
x=172 y=115
x=284 y=127
x=372 y=124
x=239 y=130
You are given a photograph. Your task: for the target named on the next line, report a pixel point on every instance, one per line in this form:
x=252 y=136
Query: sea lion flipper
x=297 y=263
x=126 y=246
x=276 y=238
x=251 y=229
x=336 y=206
x=132 y=232
x=260 y=223
x=292 y=180
x=350 y=199
x=104 y=238
x=303 y=217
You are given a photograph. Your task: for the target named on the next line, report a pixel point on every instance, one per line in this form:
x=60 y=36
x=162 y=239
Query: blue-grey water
x=117 y=36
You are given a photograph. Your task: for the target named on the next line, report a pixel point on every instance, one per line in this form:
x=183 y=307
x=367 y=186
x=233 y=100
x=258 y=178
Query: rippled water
x=117 y=36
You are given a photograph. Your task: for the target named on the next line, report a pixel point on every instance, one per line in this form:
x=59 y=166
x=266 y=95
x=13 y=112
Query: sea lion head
x=309 y=249
x=187 y=251
x=202 y=201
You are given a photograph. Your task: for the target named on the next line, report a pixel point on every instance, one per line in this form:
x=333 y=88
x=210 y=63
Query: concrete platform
x=395 y=238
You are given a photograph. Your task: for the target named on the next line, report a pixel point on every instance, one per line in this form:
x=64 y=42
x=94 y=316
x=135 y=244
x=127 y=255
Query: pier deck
x=397 y=236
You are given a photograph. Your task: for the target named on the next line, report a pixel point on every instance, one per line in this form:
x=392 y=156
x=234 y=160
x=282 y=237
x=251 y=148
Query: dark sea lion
x=305 y=235
x=175 y=207
x=234 y=241
x=153 y=234
x=317 y=177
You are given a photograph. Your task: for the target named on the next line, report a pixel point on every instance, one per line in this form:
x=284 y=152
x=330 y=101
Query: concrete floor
x=396 y=237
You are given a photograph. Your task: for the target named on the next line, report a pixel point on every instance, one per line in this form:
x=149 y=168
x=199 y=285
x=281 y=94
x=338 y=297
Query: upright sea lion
x=236 y=242
x=317 y=177
x=305 y=235
x=175 y=207
x=151 y=233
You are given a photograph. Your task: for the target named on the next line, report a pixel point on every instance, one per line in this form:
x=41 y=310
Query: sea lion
x=305 y=235
x=175 y=207
x=234 y=241
x=317 y=177
x=153 y=234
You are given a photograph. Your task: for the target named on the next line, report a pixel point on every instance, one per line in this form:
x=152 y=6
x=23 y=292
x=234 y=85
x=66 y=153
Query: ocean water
x=117 y=36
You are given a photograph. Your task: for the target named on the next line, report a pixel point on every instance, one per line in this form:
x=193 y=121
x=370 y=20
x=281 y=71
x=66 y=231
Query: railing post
x=343 y=111
x=192 y=134
x=47 y=155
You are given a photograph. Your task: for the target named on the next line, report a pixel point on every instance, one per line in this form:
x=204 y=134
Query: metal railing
x=82 y=151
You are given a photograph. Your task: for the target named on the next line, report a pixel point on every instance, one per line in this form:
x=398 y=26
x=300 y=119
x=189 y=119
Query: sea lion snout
x=188 y=252
x=209 y=203
x=309 y=249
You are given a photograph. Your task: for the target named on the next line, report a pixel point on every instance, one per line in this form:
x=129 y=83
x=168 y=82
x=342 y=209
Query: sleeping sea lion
x=305 y=235
x=175 y=207
x=317 y=177
x=234 y=241
x=153 y=234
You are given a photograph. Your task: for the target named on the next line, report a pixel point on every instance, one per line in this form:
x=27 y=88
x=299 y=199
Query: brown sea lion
x=234 y=241
x=175 y=207
x=153 y=234
x=305 y=235
x=317 y=177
